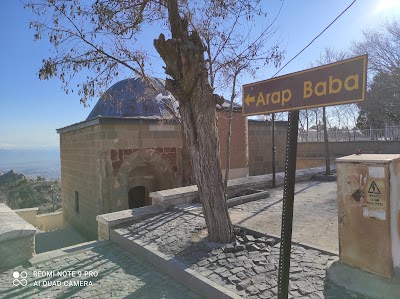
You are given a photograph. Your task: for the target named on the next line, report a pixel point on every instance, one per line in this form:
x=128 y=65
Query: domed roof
x=136 y=97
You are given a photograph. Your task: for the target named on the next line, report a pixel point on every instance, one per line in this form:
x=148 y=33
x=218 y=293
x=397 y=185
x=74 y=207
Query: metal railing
x=388 y=133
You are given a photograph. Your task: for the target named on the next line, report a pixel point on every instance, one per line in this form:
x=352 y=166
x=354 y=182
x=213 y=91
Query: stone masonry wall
x=312 y=154
x=339 y=149
x=260 y=147
x=119 y=155
x=17 y=238
x=80 y=151
x=16 y=251
x=91 y=157
x=239 y=144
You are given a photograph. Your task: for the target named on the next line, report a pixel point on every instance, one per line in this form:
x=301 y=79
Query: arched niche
x=142 y=172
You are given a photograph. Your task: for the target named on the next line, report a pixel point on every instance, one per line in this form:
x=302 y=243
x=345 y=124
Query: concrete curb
x=188 y=194
x=246 y=198
x=177 y=270
x=362 y=282
x=195 y=207
x=258 y=234
x=66 y=251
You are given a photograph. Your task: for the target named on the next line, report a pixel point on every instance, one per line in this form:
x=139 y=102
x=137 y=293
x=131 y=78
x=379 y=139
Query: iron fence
x=387 y=133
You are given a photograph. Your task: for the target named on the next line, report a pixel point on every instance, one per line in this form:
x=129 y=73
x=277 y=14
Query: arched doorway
x=137 y=197
x=141 y=173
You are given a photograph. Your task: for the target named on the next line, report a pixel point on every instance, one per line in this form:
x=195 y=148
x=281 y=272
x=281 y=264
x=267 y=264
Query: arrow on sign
x=249 y=100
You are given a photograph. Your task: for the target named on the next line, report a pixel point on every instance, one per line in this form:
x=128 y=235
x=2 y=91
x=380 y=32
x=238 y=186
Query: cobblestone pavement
x=115 y=274
x=247 y=266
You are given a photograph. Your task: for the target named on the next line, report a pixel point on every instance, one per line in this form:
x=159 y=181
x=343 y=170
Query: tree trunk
x=184 y=59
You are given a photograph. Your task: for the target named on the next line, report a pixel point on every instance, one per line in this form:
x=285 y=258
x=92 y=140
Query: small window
x=77 y=202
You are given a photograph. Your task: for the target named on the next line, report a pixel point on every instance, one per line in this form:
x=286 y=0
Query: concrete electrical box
x=369 y=212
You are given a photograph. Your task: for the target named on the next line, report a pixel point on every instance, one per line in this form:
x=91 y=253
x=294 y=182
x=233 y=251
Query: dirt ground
x=315 y=219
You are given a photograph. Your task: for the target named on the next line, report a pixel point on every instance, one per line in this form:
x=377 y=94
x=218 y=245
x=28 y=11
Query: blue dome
x=136 y=97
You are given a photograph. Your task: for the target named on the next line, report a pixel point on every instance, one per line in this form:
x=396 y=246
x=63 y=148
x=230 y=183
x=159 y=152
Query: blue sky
x=31 y=110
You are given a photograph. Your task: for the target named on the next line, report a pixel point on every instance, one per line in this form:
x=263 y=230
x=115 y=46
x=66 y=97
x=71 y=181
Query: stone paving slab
x=248 y=266
x=103 y=270
x=63 y=252
x=60 y=238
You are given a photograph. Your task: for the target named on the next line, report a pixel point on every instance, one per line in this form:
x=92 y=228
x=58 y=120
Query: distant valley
x=31 y=162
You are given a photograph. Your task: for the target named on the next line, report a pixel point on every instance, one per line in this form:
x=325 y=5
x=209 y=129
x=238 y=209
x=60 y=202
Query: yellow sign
x=374 y=195
x=332 y=84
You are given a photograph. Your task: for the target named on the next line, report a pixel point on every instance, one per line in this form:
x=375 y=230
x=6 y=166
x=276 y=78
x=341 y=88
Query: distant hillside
x=19 y=192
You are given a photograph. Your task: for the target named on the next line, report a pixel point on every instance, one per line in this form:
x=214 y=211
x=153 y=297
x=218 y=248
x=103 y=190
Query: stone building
x=130 y=145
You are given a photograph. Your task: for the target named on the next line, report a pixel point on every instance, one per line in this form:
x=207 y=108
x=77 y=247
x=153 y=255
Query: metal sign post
x=273 y=153
x=338 y=83
x=287 y=209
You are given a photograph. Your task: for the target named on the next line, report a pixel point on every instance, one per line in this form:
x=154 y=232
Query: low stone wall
x=311 y=162
x=17 y=239
x=45 y=222
x=29 y=215
x=107 y=221
x=50 y=221
x=309 y=154
x=345 y=148
x=312 y=154
x=177 y=196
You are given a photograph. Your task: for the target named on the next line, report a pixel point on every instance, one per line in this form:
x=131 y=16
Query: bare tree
x=331 y=55
x=101 y=39
x=382 y=45
x=342 y=115
x=228 y=57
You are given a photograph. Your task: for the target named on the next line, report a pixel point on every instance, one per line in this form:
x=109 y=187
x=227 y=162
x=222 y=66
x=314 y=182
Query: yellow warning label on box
x=375 y=194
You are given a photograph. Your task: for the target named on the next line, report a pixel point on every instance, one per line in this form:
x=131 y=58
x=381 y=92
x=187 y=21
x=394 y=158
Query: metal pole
x=326 y=142
x=287 y=209
x=52 y=197
x=273 y=152
x=386 y=129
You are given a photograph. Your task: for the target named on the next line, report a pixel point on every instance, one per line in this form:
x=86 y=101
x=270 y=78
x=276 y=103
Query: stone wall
x=102 y=161
x=317 y=149
x=28 y=214
x=260 y=147
x=50 y=221
x=239 y=144
x=45 y=222
x=311 y=154
x=17 y=239
x=81 y=165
